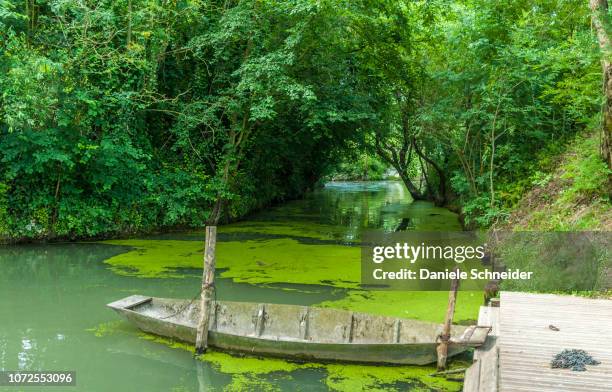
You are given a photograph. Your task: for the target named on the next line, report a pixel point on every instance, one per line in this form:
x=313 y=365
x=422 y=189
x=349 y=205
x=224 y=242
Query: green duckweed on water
x=253 y=373
x=109 y=328
x=288 y=261
x=297 y=244
x=289 y=229
x=343 y=377
x=421 y=305
x=282 y=260
x=270 y=261
x=250 y=372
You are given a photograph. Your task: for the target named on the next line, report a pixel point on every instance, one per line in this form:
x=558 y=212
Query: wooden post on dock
x=444 y=337
x=208 y=280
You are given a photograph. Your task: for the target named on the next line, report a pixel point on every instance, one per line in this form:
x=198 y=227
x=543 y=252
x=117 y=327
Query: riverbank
x=572 y=193
x=567 y=209
x=44 y=236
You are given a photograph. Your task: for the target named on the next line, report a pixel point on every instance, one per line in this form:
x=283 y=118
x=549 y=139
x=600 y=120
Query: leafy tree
x=128 y=116
x=118 y=117
x=394 y=48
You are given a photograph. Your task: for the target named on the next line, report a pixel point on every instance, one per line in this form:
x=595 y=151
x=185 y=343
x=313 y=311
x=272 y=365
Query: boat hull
x=390 y=353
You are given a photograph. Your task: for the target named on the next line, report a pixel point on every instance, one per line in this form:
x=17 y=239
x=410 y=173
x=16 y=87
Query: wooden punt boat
x=299 y=332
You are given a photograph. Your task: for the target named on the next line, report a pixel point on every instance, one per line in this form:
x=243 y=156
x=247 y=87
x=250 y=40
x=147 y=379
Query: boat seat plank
x=474 y=336
x=304 y=324
x=260 y=322
x=397 y=329
x=129 y=302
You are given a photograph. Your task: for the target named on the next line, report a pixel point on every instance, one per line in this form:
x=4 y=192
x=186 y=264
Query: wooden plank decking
x=483 y=374
x=526 y=344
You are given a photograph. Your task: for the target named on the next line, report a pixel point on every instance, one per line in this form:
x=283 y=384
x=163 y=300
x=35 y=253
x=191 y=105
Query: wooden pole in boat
x=444 y=337
x=208 y=280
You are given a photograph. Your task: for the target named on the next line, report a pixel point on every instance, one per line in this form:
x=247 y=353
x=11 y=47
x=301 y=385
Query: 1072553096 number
x=40 y=378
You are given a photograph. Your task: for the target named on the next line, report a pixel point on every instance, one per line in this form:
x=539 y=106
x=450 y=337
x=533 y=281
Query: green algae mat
x=307 y=244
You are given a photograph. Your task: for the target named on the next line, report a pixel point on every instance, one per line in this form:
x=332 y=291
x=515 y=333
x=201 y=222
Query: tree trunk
x=400 y=163
x=440 y=194
x=208 y=279
x=414 y=192
x=599 y=13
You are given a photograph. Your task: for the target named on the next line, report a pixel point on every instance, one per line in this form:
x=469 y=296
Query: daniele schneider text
x=410 y=254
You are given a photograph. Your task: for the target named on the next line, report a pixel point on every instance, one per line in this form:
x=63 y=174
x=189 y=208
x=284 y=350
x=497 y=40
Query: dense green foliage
x=132 y=115
x=535 y=82
x=473 y=93
x=121 y=116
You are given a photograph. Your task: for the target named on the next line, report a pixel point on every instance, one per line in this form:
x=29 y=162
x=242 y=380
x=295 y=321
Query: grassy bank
x=570 y=194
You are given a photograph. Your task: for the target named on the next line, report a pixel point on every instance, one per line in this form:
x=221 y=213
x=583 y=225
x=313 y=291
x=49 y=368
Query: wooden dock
x=518 y=354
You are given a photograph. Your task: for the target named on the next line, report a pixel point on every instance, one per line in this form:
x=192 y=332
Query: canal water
x=53 y=314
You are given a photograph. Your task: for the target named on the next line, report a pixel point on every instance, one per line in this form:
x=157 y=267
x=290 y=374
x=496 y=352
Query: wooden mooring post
x=208 y=280
x=444 y=337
